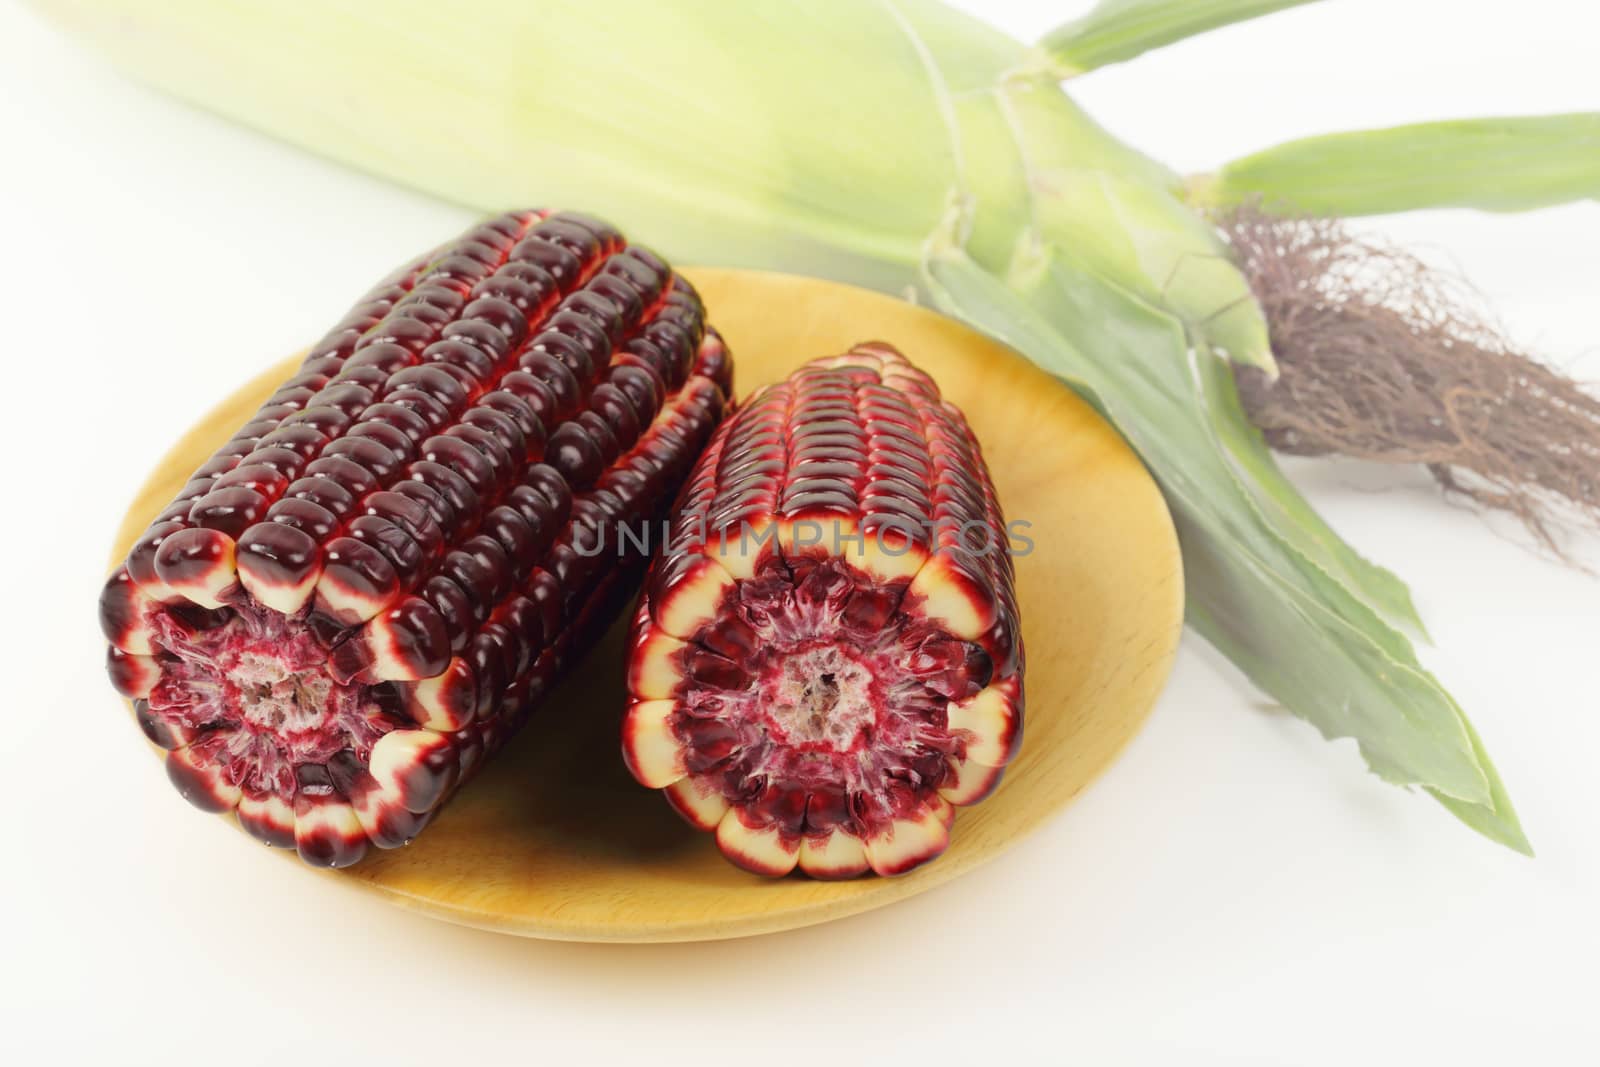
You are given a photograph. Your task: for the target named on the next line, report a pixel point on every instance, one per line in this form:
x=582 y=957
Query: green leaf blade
x=1119 y=30
x=1272 y=491
x=1499 y=164
x=1496 y=820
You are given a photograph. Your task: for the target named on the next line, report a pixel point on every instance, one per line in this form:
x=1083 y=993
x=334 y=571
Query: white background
x=1235 y=890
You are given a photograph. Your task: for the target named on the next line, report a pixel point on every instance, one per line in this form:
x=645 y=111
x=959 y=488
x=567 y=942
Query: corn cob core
x=366 y=590
x=826 y=658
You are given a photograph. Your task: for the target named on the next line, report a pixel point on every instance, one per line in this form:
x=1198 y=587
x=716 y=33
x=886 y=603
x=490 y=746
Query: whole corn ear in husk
x=898 y=145
x=365 y=592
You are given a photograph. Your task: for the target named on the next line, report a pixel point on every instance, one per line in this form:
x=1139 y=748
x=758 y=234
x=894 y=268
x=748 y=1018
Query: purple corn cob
x=827 y=658
x=363 y=593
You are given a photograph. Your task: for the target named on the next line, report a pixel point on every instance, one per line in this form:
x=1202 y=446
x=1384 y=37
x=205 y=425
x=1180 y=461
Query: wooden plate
x=555 y=839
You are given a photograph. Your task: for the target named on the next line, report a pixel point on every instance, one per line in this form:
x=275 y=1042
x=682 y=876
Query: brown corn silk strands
x=1384 y=358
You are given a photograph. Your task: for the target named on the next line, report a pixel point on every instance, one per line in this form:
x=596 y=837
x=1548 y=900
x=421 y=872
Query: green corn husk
x=891 y=144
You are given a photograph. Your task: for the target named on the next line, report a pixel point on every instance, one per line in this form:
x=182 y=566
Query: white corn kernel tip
x=950 y=596
x=701 y=805
x=762 y=851
x=268 y=818
x=327 y=832
x=655 y=667
x=285 y=599
x=649 y=747
x=909 y=843
x=834 y=856
x=131 y=675
x=201 y=783
x=197 y=564
x=989 y=719
x=742 y=550
x=447 y=701
x=972 y=781
x=413 y=768
x=693 y=599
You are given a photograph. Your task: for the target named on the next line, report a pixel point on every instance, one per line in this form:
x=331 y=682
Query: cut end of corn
x=362 y=594
x=826 y=659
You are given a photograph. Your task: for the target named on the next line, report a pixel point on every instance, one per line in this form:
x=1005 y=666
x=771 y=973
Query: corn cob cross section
x=826 y=658
x=364 y=592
